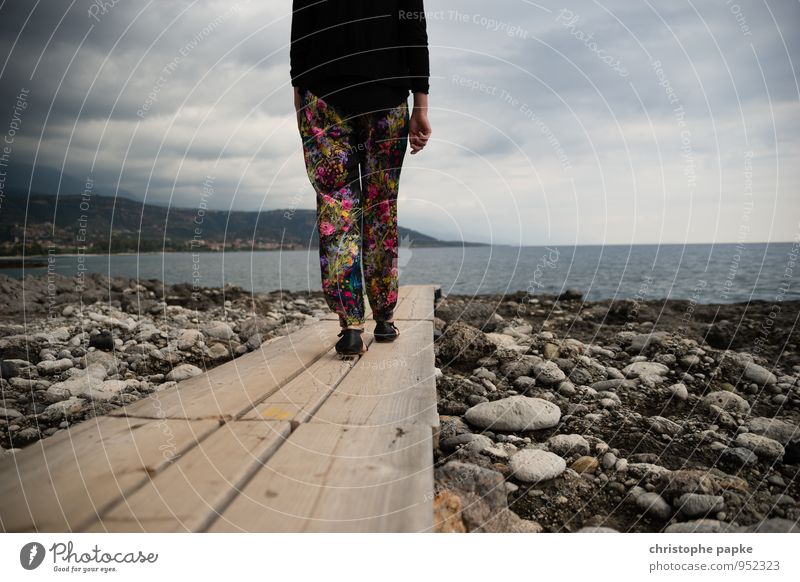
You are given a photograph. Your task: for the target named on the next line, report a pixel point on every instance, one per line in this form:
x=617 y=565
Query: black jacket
x=383 y=40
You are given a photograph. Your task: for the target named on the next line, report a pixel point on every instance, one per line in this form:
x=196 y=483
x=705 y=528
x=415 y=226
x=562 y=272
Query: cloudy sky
x=573 y=122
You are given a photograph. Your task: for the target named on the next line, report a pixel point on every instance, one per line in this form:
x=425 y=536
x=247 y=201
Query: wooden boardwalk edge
x=287 y=438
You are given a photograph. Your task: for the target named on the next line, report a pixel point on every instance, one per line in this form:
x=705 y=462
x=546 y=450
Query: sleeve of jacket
x=414 y=39
x=302 y=28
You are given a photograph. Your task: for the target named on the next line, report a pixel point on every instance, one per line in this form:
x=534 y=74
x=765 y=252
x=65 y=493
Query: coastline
x=661 y=404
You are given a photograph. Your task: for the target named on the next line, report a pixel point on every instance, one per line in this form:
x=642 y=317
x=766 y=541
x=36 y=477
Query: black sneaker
x=351 y=343
x=386 y=331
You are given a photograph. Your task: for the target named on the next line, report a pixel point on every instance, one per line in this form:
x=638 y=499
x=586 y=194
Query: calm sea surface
x=708 y=273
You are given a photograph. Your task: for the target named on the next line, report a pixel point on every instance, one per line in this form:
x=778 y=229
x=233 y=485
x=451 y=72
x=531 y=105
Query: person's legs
x=332 y=164
x=386 y=139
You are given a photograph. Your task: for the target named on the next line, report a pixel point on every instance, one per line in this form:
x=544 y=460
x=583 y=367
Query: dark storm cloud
x=561 y=99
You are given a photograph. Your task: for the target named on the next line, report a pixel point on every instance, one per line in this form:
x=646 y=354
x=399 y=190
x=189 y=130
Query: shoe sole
x=385 y=339
x=363 y=351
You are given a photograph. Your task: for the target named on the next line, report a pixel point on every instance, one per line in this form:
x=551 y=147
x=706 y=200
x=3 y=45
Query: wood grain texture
x=62 y=485
x=187 y=495
x=300 y=398
x=395 y=383
x=334 y=479
x=417 y=303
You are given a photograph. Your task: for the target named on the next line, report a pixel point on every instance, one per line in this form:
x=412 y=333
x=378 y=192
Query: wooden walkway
x=287 y=438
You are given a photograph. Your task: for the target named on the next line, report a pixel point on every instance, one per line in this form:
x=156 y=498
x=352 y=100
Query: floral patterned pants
x=335 y=146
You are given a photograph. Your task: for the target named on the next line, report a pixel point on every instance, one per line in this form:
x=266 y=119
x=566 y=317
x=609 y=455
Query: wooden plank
x=418 y=303
x=231 y=389
x=60 y=485
x=300 y=398
x=394 y=383
x=187 y=495
x=360 y=458
x=333 y=479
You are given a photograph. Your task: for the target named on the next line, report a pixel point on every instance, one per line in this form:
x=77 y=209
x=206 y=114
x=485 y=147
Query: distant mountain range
x=93 y=223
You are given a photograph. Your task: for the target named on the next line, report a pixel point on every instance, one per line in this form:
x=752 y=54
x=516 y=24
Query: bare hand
x=419 y=130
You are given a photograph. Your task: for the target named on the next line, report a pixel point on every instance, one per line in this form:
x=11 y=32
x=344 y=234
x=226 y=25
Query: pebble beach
x=557 y=414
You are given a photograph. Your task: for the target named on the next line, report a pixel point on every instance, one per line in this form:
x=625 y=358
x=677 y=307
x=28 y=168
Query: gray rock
x=773 y=428
x=255 y=340
x=608 y=461
x=183 y=372
x=726 y=401
x=760 y=445
x=522 y=366
x=217 y=351
x=502 y=340
x=679 y=391
x=548 y=373
x=673 y=484
x=479 y=443
x=482 y=373
x=647 y=469
x=567 y=389
x=777 y=481
x=653 y=505
x=65 y=409
x=567 y=444
x=453 y=442
x=690 y=361
x=758 y=374
x=26 y=434
x=482 y=492
x=9 y=369
x=614 y=384
x=642 y=341
x=189 y=338
x=597 y=529
x=83 y=382
x=650 y=371
x=9 y=413
x=515 y=413
x=105 y=359
x=253 y=325
x=533 y=465
x=697 y=504
x=501 y=451
x=218 y=330
x=462 y=343
x=48 y=367
x=661 y=425
x=738 y=457
x=524 y=383
x=111 y=388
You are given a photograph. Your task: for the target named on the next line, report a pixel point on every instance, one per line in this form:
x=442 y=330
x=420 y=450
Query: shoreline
x=651 y=404
x=569 y=293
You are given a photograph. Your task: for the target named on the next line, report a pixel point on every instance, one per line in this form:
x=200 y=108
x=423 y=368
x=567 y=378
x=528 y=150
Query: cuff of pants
x=348 y=321
x=382 y=315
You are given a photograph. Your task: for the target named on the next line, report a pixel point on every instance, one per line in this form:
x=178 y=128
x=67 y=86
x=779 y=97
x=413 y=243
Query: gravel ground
x=560 y=415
